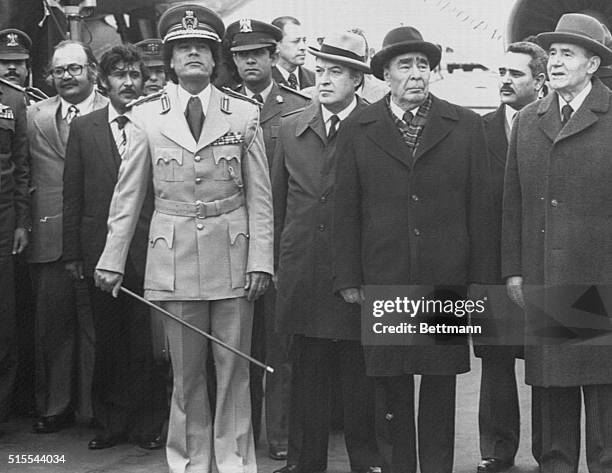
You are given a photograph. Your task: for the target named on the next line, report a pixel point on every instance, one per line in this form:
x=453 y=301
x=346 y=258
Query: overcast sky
x=474 y=28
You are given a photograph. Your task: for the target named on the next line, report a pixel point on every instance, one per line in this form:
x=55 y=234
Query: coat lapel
x=384 y=133
x=104 y=140
x=175 y=126
x=441 y=120
x=496 y=135
x=46 y=124
x=312 y=118
x=550 y=120
x=215 y=123
x=271 y=107
x=598 y=101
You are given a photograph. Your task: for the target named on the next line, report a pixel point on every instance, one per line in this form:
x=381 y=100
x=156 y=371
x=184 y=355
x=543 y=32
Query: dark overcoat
x=302 y=189
x=557 y=227
x=503 y=319
x=407 y=220
x=90 y=175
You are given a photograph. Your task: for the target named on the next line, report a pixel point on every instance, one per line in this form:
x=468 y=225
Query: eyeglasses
x=73 y=69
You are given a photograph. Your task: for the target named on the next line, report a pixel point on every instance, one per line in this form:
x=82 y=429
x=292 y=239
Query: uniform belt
x=198 y=208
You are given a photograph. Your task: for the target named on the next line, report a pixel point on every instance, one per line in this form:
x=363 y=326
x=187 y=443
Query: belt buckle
x=200 y=209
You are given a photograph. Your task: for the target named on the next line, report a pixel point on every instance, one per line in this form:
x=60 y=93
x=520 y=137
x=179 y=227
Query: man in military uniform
x=210 y=242
x=150 y=50
x=14 y=225
x=253 y=45
x=15 y=62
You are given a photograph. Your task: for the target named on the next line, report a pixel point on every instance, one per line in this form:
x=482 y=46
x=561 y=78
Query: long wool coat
x=557 y=235
x=404 y=220
x=302 y=185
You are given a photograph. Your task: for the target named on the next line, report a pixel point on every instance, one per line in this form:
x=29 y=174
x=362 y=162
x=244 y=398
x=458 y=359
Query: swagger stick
x=196 y=329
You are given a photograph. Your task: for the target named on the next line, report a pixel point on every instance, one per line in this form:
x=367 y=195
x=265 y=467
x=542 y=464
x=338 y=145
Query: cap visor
x=14 y=56
x=251 y=47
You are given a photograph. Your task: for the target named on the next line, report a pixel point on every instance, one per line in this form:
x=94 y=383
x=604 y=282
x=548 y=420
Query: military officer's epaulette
x=293 y=112
x=238 y=95
x=35 y=94
x=294 y=91
x=160 y=95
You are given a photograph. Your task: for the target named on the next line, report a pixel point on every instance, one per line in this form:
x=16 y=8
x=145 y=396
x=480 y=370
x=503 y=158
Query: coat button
x=197 y=159
x=415 y=198
x=198 y=180
x=323 y=199
x=321 y=228
x=554 y=203
x=416 y=231
x=542 y=231
x=199 y=226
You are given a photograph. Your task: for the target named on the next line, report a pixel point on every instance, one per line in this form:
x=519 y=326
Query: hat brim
x=379 y=60
x=251 y=47
x=14 y=56
x=345 y=61
x=546 y=39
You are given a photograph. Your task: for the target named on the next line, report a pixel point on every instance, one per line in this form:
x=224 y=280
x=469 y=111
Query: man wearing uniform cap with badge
x=556 y=256
x=254 y=47
x=210 y=249
x=14 y=226
x=14 y=61
x=151 y=52
x=326 y=330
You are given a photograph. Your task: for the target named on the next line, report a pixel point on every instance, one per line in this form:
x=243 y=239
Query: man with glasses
x=72 y=73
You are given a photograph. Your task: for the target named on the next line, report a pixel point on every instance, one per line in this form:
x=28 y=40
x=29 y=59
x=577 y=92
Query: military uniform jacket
x=14 y=169
x=47 y=154
x=557 y=227
x=223 y=176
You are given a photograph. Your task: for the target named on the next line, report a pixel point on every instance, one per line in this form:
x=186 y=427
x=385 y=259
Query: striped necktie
x=121 y=137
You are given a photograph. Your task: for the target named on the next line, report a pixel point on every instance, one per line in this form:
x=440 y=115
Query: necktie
x=121 y=137
x=408 y=116
x=333 y=127
x=195 y=116
x=566 y=113
x=292 y=81
x=259 y=98
x=73 y=112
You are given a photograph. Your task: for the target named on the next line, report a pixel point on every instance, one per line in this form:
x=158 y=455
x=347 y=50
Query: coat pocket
x=227 y=163
x=159 y=274
x=238 y=229
x=168 y=164
x=7 y=133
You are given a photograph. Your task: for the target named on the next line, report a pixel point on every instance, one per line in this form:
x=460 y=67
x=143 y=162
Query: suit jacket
x=194 y=257
x=408 y=220
x=302 y=184
x=47 y=153
x=556 y=235
x=503 y=318
x=90 y=175
x=306 y=77
x=14 y=169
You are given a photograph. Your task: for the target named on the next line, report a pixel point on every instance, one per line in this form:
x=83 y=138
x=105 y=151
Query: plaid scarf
x=412 y=132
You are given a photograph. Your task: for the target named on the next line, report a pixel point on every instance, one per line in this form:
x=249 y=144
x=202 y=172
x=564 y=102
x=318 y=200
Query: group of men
x=262 y=217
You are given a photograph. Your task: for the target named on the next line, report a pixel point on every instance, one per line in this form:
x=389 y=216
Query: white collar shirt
x=341 y=114
x=577 y=101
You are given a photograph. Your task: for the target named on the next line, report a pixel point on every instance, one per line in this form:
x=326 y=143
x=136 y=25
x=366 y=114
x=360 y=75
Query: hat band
x=327 y=49
x=576 y=32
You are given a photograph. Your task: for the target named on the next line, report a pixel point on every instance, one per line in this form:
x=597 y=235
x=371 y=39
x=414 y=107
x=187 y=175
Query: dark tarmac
x=72 y=443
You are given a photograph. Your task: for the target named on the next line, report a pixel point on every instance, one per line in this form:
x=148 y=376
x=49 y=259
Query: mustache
x=506 y=88
x=11 y=73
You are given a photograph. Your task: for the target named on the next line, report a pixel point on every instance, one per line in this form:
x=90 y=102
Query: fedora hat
x=348 y=49
x=404 y=39
x=583 y=30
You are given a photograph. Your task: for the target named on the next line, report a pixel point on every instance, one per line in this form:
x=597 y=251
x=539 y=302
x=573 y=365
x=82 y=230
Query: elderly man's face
x=517 y=86
x=570 y=68
x=292 y=47
x=407 y=75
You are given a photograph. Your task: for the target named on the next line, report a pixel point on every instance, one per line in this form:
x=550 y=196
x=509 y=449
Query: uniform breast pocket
x=7 y=131
x=169 y=164
x=227 y=163
x=159 y=275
